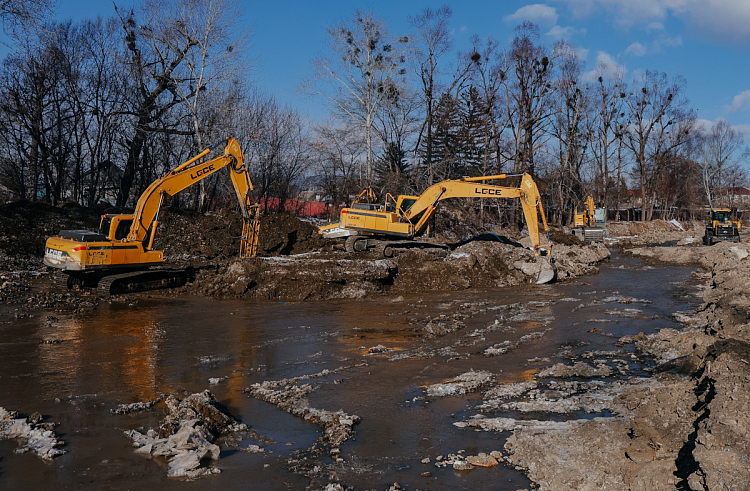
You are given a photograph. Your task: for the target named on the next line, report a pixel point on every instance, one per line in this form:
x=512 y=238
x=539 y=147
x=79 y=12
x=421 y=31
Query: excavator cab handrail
x=394 y=203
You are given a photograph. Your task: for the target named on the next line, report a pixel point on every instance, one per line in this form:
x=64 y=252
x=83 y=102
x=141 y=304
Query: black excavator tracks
x=138 y=281
x=391 y=248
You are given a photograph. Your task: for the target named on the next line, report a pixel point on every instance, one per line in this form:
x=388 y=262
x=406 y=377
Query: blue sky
x=705 y=41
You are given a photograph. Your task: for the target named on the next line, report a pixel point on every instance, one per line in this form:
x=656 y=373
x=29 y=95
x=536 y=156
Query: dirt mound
x=656 y=232
x=557 y=236
x=190 y=236
x=284 y=234
x=25 y=225
x=186 y=235
x=321 y=276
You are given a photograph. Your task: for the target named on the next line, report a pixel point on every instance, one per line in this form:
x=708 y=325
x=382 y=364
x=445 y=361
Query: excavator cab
x=405 y=202
x=115 y=227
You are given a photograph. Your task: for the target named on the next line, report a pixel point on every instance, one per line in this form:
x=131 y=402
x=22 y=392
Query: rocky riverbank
x=684 y=427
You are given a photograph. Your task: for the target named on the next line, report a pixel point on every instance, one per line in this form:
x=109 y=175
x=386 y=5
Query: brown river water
x=135 y=349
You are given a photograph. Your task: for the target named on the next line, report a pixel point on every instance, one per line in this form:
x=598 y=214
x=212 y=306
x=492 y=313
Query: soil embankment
x=294 y=262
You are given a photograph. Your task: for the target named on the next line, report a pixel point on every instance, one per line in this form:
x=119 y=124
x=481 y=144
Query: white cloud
x=671 y=42
x=717 y=20
x=537 y=13
x=655 y=26
x=703 y=125
x=559 y=32
x=623 y=12
x=636 y=49
x=744 y=129
x=606 y=66
x=583 y=53
x=741 y=102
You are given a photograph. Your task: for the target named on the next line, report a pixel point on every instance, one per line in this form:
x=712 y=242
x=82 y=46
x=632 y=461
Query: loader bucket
x=547 y=271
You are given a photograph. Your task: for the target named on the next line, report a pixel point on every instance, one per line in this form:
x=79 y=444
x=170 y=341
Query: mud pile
x=215 y=237
x=25 y=226
x=655 y=232
x=284 y=234
x=320 y=276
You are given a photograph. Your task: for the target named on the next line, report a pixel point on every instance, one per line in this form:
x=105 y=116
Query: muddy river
x=75 y=370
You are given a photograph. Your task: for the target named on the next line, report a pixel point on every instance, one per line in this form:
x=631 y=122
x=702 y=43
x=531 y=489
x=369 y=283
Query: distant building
x=734 y=197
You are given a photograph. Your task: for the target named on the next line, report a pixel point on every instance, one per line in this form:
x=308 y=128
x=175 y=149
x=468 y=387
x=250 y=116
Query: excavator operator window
x=123 y=228
x=406 y=204
x=104 y=226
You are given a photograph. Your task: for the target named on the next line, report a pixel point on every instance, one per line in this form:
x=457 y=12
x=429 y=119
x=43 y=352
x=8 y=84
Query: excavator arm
x=528 y=193
x=145 y=216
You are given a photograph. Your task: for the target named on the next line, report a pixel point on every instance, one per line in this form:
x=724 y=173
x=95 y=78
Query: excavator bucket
x=546 y=270
x=250 y=230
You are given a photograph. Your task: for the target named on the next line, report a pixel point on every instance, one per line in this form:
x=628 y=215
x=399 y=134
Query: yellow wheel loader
x=119 y=257
x=392 y=226
x=721 y=227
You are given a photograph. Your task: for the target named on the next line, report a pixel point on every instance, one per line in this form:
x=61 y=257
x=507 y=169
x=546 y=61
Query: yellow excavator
x=589 y=225
x=119 y=257
x=390 y=227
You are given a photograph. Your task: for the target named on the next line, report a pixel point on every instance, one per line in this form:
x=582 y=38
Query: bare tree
x=208 y=66
x=395 y=125
x=608 y=114
x=276 y=145
x=153 y=93
x=659 y=121
x=528 y=89
x=95 y=93
x=572 y=130
x=487 y=76
x=338 y=151
x=367 y=72
x=33 y=95
x=433 y=38
x=24 y=13
x=721 y=152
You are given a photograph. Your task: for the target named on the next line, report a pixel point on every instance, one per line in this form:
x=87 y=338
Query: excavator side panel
x=373 y=222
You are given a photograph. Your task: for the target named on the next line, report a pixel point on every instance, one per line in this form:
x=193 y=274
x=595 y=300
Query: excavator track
x=390 y=248
x=138 y=281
